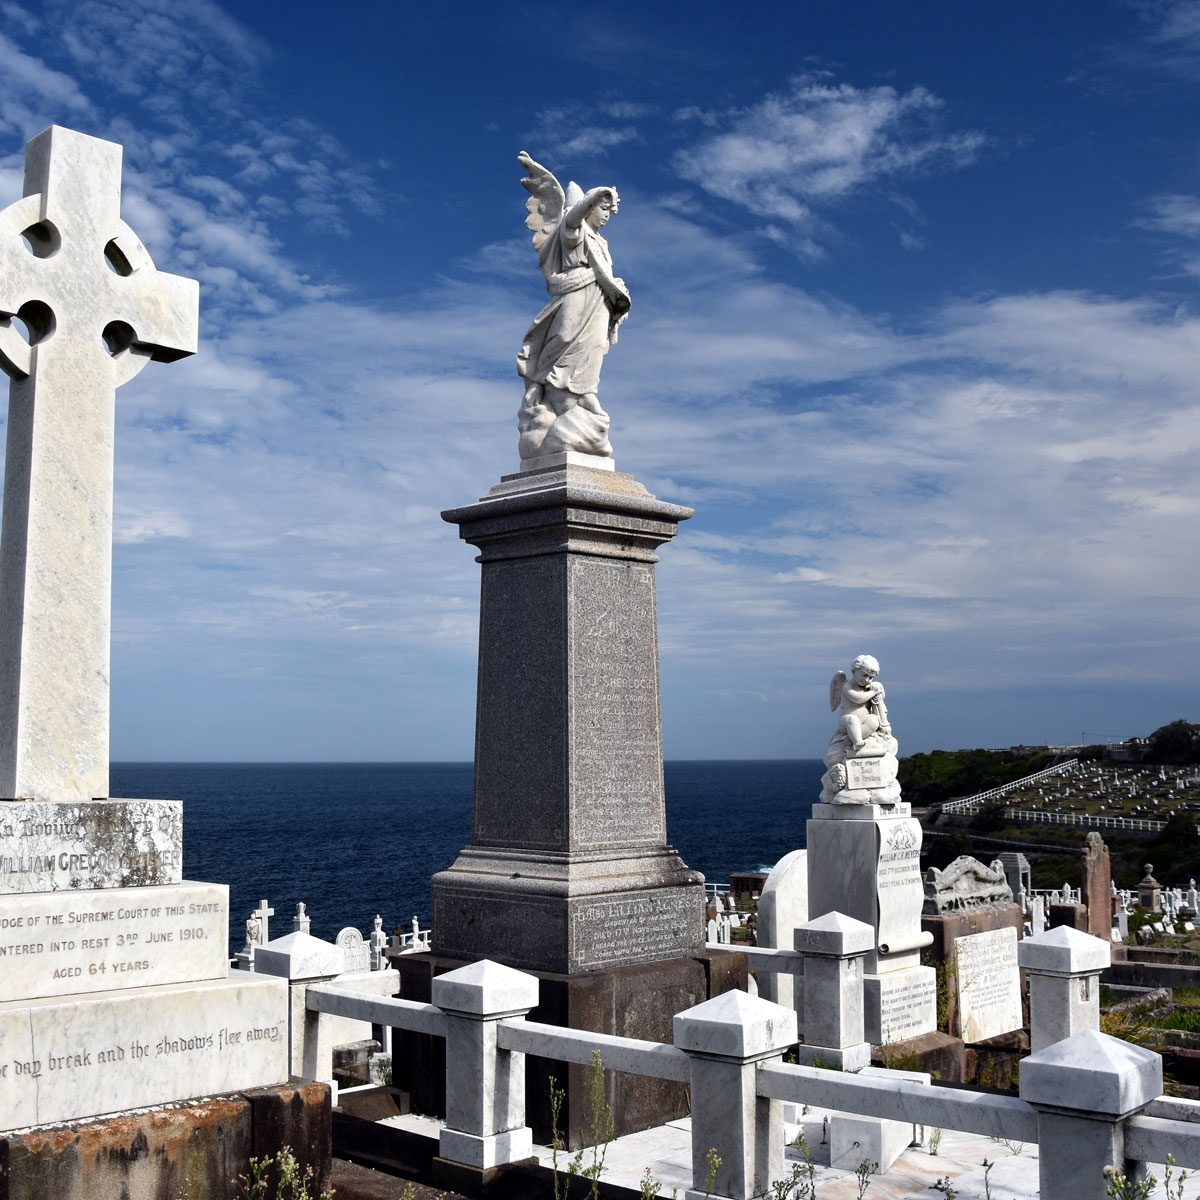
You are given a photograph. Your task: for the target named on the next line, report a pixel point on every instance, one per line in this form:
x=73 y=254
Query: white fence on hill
x=1030 y=816
x=971 y=804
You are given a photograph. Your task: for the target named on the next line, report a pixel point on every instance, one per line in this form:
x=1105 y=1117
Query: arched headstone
x=782 y=906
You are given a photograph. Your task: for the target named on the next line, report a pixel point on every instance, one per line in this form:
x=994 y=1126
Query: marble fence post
x=1063 y=966
x=834 y=948
x=92 y=327
x=1084 y=1088
x=485 y=1086
x=726 y=1038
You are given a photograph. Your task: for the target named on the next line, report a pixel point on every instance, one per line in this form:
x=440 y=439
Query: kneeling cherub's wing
x=835 y=690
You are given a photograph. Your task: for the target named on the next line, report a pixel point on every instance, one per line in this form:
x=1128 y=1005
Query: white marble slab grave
x=989 y=984
x=93 y=940
x=63 y=1060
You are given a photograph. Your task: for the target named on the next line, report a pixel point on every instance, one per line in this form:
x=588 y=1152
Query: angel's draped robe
x=566 y=344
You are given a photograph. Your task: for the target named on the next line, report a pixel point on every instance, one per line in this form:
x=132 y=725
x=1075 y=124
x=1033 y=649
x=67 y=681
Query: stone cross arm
x=77 y=275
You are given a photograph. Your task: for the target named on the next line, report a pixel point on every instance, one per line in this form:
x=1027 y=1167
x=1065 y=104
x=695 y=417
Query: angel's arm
x=580 y=209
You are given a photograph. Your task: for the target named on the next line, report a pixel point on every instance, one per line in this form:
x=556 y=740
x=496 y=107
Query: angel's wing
x=835 y=690
x=545 y=203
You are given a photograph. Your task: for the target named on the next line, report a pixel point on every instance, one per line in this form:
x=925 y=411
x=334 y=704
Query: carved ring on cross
x=126 y=256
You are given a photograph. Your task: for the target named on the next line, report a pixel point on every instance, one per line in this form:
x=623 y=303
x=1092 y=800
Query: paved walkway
x=667 y=1151
x=960 y=1157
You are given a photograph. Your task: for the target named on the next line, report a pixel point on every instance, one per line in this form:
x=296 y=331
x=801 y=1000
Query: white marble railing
x=1038 y=817
x=1087 y=1101
x=411 y=943
x=969 y=804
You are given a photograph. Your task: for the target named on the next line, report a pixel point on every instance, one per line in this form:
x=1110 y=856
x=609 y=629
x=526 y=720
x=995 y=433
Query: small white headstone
x=1037 y=916
x=357 y=952
x=712 y=931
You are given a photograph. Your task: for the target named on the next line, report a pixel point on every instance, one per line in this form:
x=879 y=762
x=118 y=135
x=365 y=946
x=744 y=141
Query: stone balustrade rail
x=1088 y=1099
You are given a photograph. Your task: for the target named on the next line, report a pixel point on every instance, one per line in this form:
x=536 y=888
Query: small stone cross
x=262 y=912
x=96 y=311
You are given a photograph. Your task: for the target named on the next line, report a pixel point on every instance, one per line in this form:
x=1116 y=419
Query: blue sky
x=915 y=330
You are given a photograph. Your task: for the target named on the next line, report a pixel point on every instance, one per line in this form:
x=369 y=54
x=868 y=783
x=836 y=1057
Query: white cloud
x=560 y=135
x=816 y=143
x=1179 y=216
x=35 y=95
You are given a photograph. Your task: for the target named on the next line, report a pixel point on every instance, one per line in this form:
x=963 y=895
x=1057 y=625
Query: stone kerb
x=727 y=1038
x=1084 y=1088
x=1063 y=966
x=485 y=1085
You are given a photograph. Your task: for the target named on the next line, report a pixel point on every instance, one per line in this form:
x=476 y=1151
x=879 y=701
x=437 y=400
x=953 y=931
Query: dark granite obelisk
x=568 y=870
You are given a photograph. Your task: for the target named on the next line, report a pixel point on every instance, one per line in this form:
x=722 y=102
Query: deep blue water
x=355 y=839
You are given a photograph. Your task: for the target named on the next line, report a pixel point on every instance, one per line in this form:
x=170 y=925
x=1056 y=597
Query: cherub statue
x=861 y=702
x=861 y=760
x=563 y=350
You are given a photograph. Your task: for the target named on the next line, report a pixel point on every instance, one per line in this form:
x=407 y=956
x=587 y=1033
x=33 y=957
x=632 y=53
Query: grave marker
x=91 y=329
x=116 y=989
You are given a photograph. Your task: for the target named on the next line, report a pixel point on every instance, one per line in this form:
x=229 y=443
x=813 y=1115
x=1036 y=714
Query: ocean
x=355 y=839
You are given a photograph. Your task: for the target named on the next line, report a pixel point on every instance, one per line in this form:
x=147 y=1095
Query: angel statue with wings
x=563 y=351
x=860 y=699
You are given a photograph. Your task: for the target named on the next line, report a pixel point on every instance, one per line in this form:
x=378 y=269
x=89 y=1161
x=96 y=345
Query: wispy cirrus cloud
x=798 y=152
x=1178 y=216
x=567 y=133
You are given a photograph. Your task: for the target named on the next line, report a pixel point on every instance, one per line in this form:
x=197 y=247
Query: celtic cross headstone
x=95 y=310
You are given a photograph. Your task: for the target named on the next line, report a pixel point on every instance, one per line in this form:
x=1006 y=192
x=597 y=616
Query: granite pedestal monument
x=569 y=873
x=115 y=990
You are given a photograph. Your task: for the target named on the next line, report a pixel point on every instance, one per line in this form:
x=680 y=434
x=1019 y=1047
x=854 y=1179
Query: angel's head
x=607 y=203
x=864 y=668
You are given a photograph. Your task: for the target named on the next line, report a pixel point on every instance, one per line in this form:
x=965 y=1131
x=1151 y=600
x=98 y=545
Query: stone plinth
x=48 y=846
x=568 y=869
x=62 y=1060
x=65 y=943
x=865 y=862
